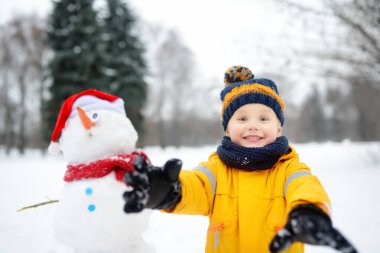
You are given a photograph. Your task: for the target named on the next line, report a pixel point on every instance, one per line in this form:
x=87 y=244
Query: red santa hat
x=88 y=100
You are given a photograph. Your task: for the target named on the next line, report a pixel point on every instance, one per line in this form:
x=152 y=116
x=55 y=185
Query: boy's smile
x=253 y=138
x=254 y=125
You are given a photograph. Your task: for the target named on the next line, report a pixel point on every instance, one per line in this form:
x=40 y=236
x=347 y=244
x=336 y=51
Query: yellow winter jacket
x=247 y=208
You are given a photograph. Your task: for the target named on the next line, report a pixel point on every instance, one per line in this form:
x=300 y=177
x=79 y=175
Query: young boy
x=259 y=197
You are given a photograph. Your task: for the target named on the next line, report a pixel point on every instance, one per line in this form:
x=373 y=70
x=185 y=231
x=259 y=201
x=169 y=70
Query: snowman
x=98 y=141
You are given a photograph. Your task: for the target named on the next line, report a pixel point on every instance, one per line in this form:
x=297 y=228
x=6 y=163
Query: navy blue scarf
x=252 y=158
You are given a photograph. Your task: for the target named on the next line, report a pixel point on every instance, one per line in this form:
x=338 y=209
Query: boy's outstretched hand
x=153 y=187
x=309 y=224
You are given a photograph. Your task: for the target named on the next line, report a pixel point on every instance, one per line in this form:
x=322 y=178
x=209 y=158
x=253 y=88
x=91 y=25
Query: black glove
x=309 y=224
x=153 y=187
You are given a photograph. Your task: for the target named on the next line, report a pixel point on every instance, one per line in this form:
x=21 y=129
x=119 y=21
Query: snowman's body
x=90 y=215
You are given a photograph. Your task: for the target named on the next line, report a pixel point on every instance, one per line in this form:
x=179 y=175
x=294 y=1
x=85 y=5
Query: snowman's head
x=93 y=127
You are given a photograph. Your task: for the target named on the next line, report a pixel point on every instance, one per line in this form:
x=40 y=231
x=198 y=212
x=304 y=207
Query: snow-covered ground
x=350 y=173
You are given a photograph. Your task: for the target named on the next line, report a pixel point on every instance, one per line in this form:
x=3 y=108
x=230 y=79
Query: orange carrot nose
x=86 y=121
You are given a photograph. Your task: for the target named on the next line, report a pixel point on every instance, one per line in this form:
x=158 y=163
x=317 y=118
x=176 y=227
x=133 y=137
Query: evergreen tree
x=125 y=63
x=74 y=35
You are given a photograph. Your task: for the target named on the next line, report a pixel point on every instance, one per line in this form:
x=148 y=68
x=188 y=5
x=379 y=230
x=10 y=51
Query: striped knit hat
x=242 y=88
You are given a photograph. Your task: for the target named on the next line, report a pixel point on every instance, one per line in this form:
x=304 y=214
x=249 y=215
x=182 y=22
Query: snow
x=349 y=171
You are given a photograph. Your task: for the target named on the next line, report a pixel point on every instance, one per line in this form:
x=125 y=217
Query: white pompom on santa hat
x=88 y=100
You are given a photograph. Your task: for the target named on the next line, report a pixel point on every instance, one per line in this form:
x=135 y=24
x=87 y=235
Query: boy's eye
x=242 y=118
x=264 y=118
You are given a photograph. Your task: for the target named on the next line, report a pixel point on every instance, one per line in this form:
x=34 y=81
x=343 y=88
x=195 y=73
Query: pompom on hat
x=242 y=88
x=88 y=100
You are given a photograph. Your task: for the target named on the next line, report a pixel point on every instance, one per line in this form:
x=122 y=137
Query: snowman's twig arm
x=39 y=204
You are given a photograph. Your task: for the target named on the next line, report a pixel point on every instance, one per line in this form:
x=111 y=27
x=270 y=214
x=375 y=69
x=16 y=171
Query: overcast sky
x=221 y=33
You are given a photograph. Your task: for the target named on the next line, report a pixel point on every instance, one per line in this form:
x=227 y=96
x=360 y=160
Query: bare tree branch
x=356 y=26
x=38 y=204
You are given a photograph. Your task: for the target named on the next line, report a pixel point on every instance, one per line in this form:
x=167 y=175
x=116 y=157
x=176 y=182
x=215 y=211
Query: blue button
x=88 y=191
x=91 y=208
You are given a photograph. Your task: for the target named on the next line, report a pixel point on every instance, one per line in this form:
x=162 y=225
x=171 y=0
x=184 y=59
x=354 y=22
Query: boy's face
x=254 y=125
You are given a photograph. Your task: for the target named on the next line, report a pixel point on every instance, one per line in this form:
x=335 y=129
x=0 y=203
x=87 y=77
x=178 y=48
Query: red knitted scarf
x=121 y=164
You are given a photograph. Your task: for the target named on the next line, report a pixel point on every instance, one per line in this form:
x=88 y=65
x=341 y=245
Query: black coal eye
x=95 y=117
